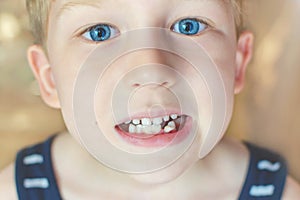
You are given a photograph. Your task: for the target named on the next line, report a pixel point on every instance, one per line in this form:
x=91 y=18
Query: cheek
x=64 y=73
x=223 y=54
x=222 y=51
x=66 y=59
x=66 y=64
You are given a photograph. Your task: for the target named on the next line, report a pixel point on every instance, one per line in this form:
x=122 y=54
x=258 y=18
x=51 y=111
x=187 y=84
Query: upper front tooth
x=136 y=121
x=146 y=121
x=132 y=128
x=174 y=116
x=157 y=121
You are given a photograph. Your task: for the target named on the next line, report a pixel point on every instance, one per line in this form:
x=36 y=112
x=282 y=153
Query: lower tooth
x=156 y=128
x=132 y=128
x=139 y=128
x=147 y=129
x=172 y=124
x=168 y=129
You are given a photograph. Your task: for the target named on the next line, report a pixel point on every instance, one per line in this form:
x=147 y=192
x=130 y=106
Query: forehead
x=62 y=5
x=70 y=3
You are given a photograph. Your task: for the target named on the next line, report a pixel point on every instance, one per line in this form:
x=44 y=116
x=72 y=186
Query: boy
x=162 y=114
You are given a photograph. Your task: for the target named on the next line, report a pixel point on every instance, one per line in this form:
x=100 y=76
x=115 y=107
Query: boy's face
x=78 y=31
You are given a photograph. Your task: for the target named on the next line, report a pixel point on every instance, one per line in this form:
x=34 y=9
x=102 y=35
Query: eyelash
x=110 y=31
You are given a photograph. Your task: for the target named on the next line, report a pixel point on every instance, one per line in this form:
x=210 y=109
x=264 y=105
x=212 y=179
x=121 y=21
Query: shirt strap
x=34 y=174
x=266 y=175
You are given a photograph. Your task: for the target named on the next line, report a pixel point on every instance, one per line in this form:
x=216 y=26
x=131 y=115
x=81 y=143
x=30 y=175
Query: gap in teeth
x=152 y=125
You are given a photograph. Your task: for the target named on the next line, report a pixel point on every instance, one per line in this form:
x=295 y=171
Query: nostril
x=136 y=85
x=165 y=83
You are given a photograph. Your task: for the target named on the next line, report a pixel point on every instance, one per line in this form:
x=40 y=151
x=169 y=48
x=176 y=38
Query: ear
x=42 y=71
x=243 y=57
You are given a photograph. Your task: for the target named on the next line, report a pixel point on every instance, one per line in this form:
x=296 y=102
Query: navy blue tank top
x=35 y=179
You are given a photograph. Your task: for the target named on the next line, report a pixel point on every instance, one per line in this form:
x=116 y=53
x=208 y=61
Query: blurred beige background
x=267 y=112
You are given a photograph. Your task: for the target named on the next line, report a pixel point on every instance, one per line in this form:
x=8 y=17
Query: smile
x=152 y=132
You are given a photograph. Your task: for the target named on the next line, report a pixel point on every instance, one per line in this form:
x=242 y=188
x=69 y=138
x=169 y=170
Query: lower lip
x=159 y=140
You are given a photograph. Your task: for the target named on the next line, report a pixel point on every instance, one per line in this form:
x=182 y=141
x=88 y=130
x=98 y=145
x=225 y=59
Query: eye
x=189 y=26
x=100 y=33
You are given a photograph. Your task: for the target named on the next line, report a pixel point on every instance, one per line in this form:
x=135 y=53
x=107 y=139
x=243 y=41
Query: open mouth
x=157 y=131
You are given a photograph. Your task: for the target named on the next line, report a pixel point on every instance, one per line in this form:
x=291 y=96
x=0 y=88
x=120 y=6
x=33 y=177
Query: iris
x=100 y=33
x=189 y=26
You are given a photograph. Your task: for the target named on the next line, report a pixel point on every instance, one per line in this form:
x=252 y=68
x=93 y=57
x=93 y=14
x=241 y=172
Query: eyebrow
x=71 y=4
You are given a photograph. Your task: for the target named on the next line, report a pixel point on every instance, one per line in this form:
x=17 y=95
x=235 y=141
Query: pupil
x=101 y=32
x=188 y=26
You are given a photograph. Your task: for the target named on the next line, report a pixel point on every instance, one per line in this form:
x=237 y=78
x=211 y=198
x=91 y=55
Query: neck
x=201 y=176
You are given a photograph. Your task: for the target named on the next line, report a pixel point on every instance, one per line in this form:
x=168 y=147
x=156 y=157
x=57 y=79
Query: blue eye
x=100 y=33
x=189 y=26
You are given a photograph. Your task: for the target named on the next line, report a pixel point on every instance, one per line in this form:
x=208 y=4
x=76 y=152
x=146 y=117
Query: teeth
x=174 y=116
x=146 y=121
x=170 y=127
x=156 y=128
x=166 y=118
x=153 y=129
x=157 y=121
x=147 y=129
x=152 y=126
x=136 y=121
x=139 y=129
x=172 y=124
x=132 y=128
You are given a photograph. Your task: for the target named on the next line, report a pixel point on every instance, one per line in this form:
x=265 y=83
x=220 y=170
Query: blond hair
x=38 y=11
x=238 y=14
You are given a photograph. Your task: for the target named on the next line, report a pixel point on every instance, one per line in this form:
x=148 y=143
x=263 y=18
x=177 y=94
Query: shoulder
x=7 y=183
x=292 y=189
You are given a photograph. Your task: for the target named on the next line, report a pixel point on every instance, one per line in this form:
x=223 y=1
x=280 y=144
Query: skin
x=56 y=73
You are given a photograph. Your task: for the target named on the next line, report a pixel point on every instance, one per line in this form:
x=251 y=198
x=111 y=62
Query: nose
x=151 y=67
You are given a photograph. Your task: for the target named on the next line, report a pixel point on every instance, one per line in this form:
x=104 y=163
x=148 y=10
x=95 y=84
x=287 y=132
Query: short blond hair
x=38 y=11
x=238 y=14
